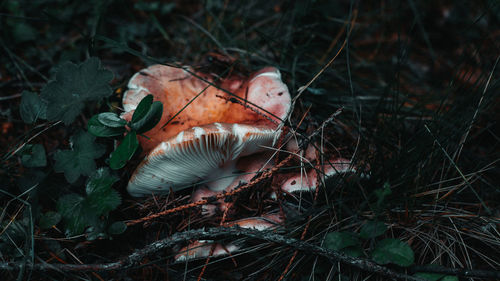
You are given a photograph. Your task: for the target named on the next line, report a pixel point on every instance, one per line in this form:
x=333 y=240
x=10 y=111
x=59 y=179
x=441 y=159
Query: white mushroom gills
x=201 y=154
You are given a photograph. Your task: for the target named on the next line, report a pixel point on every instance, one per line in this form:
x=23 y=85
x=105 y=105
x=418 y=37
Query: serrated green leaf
x=71 y=209
x=33 y=155
x=117 y=227
x=372 y=229
x=74 y=85
x=142 y=108
x=96 y=128
x=111 y=119
x=49 y=219
x=90 y=212
x=124 y=151
x=394 y=251
x=32 y=107
x=101 y=198
x=152 y=117
x=80 y=159
x=340 y=240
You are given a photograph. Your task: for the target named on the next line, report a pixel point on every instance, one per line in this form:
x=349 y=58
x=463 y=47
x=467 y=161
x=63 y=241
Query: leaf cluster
x=109 y=124
x=62 y=100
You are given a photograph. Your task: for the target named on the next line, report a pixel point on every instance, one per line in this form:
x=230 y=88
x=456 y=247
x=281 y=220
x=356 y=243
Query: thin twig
x=244 y=187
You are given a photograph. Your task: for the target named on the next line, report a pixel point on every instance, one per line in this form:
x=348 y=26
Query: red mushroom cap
x=262 y=92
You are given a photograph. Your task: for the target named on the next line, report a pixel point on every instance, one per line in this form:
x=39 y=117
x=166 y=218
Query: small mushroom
x=298 y=182
x=203 y=142
x=202 y=248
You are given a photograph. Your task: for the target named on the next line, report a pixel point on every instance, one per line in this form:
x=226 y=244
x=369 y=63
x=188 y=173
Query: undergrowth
x=416 y=84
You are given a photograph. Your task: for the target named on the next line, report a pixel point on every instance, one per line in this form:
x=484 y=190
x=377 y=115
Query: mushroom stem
x=221 y=178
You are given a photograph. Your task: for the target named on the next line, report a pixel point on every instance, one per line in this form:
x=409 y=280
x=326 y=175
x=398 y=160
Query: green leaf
x=394 y=251
x=72 y=210
x=101 y=198
x=80 y=159
x=429 y=276
x=340 y=240
x=74 y=85
x=117 y=227
x=24 y=32
x=372 y=229
x=142 y=108
x=30 y=179
x=382 y=194
x=98 y=129
x=152 y=117
x=49 y=219
x=111 y=119
x=91 y=211
x=353 y=251
x=124 y=151
x=33 y=155
x=32 y=107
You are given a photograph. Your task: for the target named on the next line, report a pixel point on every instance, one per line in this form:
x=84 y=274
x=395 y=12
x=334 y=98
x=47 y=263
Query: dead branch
x=214 y=233
x=221 y=232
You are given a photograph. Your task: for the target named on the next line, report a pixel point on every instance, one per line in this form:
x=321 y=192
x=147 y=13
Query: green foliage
x=33 y=155
x=382 y=194
x=99 y=129
x=149 y=120
x=32 y=107
x=386 y=251
x=110 y=119
x=101 y=198
x=142 y=108
x=124 y=151
x=372 y=229
x=49 y=219
x=449 y=278
x=346 y=242
x=340 y=240
x=394 y=251
x=74 y=85
x=80 y=212
x=79 y=160
x=429 y=276
x=109 y=124
x=435 y=276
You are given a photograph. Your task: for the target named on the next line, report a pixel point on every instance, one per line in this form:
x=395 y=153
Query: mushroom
x=298 y=182
x=204 y=141
x=202 y=248
x=247 y=167
x=207 y=153
x=263 y=93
